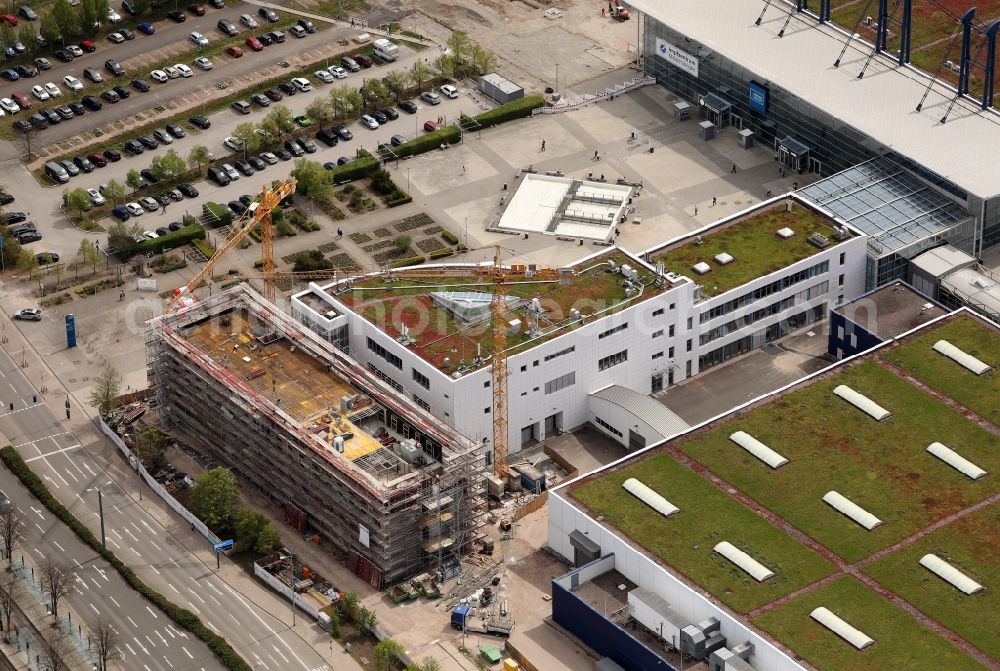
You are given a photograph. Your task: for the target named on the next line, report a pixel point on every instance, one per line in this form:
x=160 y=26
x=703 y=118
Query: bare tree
x=55 y=647
x=26 y=138
x=10 y=530
x=55 y=582
x=9 y=587
x=106 y=642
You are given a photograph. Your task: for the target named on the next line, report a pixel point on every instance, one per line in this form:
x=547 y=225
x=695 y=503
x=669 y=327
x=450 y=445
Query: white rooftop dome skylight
x=701 y=267
x=722 y=258
x=857 y=638
x=949 y=573
x=958 y=356
x=650 y=498
x=844 y=505
x=758 y=449
x=955 y=460
x=862 y=402
x=757 y=571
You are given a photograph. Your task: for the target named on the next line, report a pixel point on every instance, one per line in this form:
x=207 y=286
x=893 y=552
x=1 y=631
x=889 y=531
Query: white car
x=369 y=122
x=113 y=16
x=198 y=39
x=231 y=171
x=172 y=72
x=248 y=21
x=233 y=143
x=150 y=235
x=149 y=203
x=72 y=83
x=135 y=209
x=159 y=76
x=323 y=76
x=53 y=90
x=75 y=50
x=116 y=38
x=9 y=106
x=449 y=91
x=269 y=158
x=95 y=197
x=337 y=71
x=39 y=92
x=204 y=63
x=184 y=70
x=302 y=84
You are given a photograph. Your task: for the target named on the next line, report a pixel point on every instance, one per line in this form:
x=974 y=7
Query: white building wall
x=621 y=419
x=564 y=518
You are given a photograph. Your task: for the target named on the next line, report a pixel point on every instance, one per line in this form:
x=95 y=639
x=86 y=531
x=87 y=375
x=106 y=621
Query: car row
x=150 y=204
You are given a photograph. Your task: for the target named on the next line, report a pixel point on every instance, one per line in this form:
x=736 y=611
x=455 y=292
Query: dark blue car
x=146 y=28
x=10 y=75
x=120 y=213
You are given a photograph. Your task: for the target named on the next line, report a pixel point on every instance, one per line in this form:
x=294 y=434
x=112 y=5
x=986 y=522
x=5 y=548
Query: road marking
x=61 y=548
x=186 y=652
x=54 y=483
x=154 y=569
x=132 y=621
x=115 y=531
x=233 y=618
x=212 y=626
x=89 y=469
x=287 y=661
x=40 y=528
x=167 y=661
x=219 y=603
x=39 y=552
x=151 y=612
x=152 y=643
x=50 y=454
x=112 y=541
x=77 y=590
x=194 y=608
x=197 y=596
x=167 y=629
x=135 y=551
x=78 y=564
x=70 y=474
x=153 y=543
x=130 y=648
x=174 y=562
x=141 y=646
x=96 y=584
x=292 y=653
x=95 y=609
x=103 y=573
x=170 y=585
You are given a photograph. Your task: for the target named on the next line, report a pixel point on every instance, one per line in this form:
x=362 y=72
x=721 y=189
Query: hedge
x=221 y=212
x=362 y=166
x=204 y=248
x=516 y=109
x=183 y=617
x=429 y=141
x=171 y=240
x=441 y=253
x=398 y=198
x=449 y=237
x=410 y=261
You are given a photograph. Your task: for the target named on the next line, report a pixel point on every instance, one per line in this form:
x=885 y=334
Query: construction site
x=397 y=492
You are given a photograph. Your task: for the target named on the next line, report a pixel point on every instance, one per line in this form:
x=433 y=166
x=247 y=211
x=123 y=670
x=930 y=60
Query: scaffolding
x=393 y=489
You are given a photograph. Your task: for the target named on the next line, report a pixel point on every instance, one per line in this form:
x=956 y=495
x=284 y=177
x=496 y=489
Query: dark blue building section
x=602 y=635
x=847 y=338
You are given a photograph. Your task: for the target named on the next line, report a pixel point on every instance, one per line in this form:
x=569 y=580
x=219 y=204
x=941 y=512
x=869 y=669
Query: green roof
x=754 y=244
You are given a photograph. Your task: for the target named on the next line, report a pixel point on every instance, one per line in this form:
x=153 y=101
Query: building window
x=764 y=291
x=840 y=299
x=385 y=378
x=535 y=389
x=421 y=379
x=534 y=363
x=486 y=411
x=657 y=355
x=612 y=360
x=672 y=306
x=612 y=331
x=385 y=354
x=486 y=384
x=657 y=313
x=670 y=331
x=608 y=427
x=657 y=334
x=840 y=281
x=690 y=323
x=568 y=350
x=689 y=344
x=687 y=369
x=843 y=257
x=670 y=352
x=524 y=368
x=422 y=403
x=561 y=382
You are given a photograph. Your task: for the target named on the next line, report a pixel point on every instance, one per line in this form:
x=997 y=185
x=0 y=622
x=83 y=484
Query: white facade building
x=646 y=347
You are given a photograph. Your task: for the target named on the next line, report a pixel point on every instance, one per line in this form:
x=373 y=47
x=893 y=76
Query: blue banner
x=70 y=331
x=757 y=97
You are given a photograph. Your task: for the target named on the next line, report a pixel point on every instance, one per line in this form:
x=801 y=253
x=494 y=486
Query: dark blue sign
x=758 y=97
x=70 y=330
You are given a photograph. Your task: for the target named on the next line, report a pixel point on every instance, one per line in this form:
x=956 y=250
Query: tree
x=134 y=179
x=87 y=254
x=367 y=619
x=334 y=623
x=88 y=17
x=26 y=262
x=402 y=242
x=246 y=135
x=483 y=60
x=310 y=259
x=9 y=588
x=49 y=28
x=107 y=389
x=214 y=499
x=344 y=100
x=349 y=603
x=115 y=190
x=7 y=35
x=106 y=642
x=199 y=156
x=26 y=36
x=167 y=166
x=103 y=7
x=278 y=121
x=55 y=582
x=247 y=525
x=11 y=253
x=79 y=200
x=387 y=654
x=396 y=82
x=150 y=445
x=373 y=91
x=54 y=648
x=429 y=664
x=446 y=65
x=268 y=538
x=122 y=237
x=320 y=110
x=419 y=73
x=66 y=18
x=11 y=527
x=313 y=179
x=26 y=139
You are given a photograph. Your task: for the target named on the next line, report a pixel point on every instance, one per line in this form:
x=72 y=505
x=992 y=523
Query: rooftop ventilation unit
x=949 y=573
x=853 y=636
x=722 y=258
x=955 y=460
x=961 y=358
x=701 y=267
x=650 y=498
x=757 y=571
x=758 y=449
x=854 y=511
x=818 y=240
x=785 y=233
x=862 y=402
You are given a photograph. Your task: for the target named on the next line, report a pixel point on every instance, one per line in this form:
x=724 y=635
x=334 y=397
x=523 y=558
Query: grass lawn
x=881 y=466
x=754 y=245
x=971 y=545
x=707 y=517
x=900 y=642
x=976 y=392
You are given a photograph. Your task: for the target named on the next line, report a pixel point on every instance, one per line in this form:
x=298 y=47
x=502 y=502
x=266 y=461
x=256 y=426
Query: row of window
x=561 y=382
x=612 y=331
x=764 y=291
x=385 y=378
x=746 y=320
x=612 y=360
x=421 y=379
x=385 y=354
x=608 y=427
x=562 y=352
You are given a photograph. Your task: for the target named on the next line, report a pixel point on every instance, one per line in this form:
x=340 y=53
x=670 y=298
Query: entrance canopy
x=716 y=103
x=796 y=148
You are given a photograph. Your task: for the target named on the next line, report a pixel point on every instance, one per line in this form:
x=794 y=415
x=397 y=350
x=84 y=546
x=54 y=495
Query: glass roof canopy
x=886 y=202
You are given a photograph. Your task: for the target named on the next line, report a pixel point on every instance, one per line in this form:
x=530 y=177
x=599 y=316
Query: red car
x=98 y=160
x=88 y=46
x=234 y=51
x=9 y=19
x=23 y=101
x=197 y=10
x=254 y=43
x=430 y=126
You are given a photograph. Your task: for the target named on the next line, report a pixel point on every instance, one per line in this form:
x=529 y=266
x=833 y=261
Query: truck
x=385 y=49
x=463 y=619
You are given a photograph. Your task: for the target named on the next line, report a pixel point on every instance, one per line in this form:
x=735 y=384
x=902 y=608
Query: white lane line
x=152 y=612
x=132 y=621
x=38 y=552
x=167 y=661
x=287 y=661
x=51 y=454
x=233 y=618
x=40 y=527
x=194 y=608
x=153 y=543
x=78 y=564
x=141 y=646
x=173 y=588
x=175 y=562
x=217 y=602
x=117 y=605
x=292 y=653
x=78 y=590
x=152 y=643
x=95 y=609
x=196 y=595
x=70 y=474
x=61 y=548
x=112 y=541
x=115 y=531
x=167 y=628
x=135 y=551
x=161 y=637
x=96 y=584
x=130 y=649
x=186 y=652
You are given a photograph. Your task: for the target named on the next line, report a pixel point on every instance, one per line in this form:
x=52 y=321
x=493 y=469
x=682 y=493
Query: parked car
x=248 y=21
x=231 y=172
x=140 y=85
x=134 y=147
x=51 y=116
x=430 y=126
x=245 y=167
x=308 y=145
x=233 y=144
x=84 y=164
x=116 y=38
x=397 y=140
x=268 y=14
x=29 y=314
x=343 y=132
x=368 y=122
x=219 y=176
x=274 y=94
x=93 y=103
x=269 y=158
x=42 y=63
x=177 y=16
x=96 y=198
x=45 y=258
x=327 y=136
x=110 y=96
x=287 y=88
x=25 y=71
x=122 y=91
x=390 y=114
x=146 y=28
x=184 y=70
x=135 y=209
x=297 y=31
x=93 y=75
x=88 y=46
x=277 y=37
x=302 y=121
x=121 y=213
x=260 y=100
x=10 y=74
x=324 y=76
x=39 y=92
x=241 y=106
x=430 y=97
x=254 y=43
x=349 y=64
x=294 y=148
x=379 y=116
x=234 y=51
x=364 y=61
x=114 y=67
x=78 y=108
x=28 y=13
x=172 y=72
x=163 y=136
x=9 y=106
x=302 y=84
x=98 y=160
x=196 y=9
x=204 y=63
x=187 y=190
x=227 y=27
x=266 y=39
x=149 y=204
x=307 y=25
x=176 y=131
x=159 y=76
x=199 y=121
x=23 y=101
x=64 y=55
x=148 y=141
x=337 y=71
x=198 y=38
x=113 y=155
x=257 y=163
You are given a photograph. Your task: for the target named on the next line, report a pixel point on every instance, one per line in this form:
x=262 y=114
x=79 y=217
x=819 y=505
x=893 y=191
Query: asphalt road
x=167 y=33
x=147 y=638
x=138 y=539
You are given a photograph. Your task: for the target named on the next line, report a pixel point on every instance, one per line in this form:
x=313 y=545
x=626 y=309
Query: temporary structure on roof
x=852 y=510
x=947 y=572
x=757 y=571
x=758 y=449
x=957 y=355
x=855 y=637
x=862 y=402
x=955 y=460
x=650 y=498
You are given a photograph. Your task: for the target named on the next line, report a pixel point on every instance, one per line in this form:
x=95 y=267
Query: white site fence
x=569 y=104
x=136 y=464
x=277 y=585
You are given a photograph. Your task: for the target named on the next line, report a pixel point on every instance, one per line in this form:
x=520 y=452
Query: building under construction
x=397 y=491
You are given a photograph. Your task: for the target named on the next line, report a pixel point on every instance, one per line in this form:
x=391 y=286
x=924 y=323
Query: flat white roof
x=882 y=104
x=587 y=209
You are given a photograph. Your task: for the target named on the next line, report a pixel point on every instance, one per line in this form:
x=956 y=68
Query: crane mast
x=498 y=306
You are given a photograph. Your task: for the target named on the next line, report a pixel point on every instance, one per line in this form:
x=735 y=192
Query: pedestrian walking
x=596 y=156
x=121 y=296
x=340 y=233
x=696 y=210
x=543 y=145
x=734 y=168
x=602 y=12
x=633 y=135
x=768 y=194
x=463 y=169
x=713 y=201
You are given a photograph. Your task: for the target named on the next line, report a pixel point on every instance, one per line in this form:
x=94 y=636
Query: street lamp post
x=100 y=508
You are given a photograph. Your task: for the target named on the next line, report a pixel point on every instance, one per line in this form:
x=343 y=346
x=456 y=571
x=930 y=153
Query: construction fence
x=540 y=500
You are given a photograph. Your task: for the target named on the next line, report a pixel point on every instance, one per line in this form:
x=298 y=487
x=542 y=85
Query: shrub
x=382 y=182
x=222 y=214
x=449 y=237
x=362 y=166
x=284 y=228
x=399 y=197
x=171 y=240
x=429 y=141
x=441 y=253
x=516 y=109
x=310 y=259
x=204 y=248
x=411 y=261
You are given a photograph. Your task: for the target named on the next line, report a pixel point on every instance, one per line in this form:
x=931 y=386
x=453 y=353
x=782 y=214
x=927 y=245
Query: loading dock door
x=529 y=435
x=553 y=424
x=636 y=441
